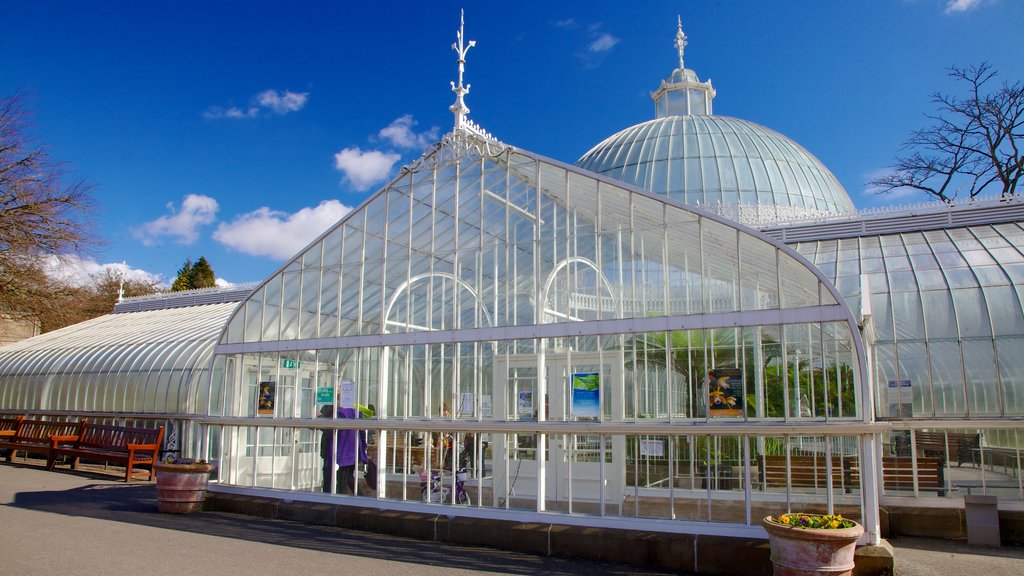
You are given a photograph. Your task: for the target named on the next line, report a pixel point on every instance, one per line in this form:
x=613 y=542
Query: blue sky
x=239 y=131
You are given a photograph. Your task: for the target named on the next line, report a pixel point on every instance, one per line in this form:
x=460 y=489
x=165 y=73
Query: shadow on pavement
x=136 y=503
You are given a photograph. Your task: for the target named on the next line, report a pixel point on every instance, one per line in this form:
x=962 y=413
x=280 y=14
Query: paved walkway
x=89 y=523
x=70 y=523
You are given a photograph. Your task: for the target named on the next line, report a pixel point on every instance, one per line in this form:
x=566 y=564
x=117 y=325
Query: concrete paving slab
x=89 y=523
x=73 y=523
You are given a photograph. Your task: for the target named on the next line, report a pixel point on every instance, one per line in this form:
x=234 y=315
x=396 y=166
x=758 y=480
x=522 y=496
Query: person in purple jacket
x=345 y=455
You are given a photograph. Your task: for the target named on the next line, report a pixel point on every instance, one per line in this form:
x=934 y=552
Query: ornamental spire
x=459 y=108
x=680 y=41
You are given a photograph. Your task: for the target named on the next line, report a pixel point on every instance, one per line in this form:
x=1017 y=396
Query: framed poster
x=525 y=403
x=725 y=392
x=265 y=398
x=347 y=394
x=586 y=396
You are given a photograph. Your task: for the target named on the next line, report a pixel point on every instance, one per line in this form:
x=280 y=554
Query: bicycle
x=436 y=491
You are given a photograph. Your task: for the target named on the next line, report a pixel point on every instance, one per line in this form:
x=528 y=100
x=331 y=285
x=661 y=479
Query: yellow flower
x=833 y=524
x=784 y=519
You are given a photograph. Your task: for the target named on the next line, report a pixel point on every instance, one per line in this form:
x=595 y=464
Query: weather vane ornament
x=459 y=108
x=680 y=41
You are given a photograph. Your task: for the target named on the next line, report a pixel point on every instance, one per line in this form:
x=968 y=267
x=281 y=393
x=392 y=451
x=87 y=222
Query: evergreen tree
x=201 y=275
x=194 y=275
x=183 y=281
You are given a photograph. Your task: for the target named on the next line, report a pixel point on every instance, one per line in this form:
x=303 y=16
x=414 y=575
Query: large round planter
x=181 y=488
x=810 y=551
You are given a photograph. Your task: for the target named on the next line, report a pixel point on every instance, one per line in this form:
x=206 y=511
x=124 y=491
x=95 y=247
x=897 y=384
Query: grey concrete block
x=982 y=520
x=308 y=513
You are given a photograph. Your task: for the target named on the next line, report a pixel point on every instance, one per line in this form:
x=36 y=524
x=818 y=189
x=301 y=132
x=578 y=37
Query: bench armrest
x=56 y=439
x=133 y=447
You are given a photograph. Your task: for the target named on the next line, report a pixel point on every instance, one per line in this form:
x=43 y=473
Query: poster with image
x=265 y=398
x=586 y=396
x=725 y=392
x=525 y=404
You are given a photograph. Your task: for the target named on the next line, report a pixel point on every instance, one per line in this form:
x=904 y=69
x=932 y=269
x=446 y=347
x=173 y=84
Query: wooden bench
x=33 y=437
x=959 y=446
x=897 y=472
x=129 y=447
x=9 y=426
x=810 y=472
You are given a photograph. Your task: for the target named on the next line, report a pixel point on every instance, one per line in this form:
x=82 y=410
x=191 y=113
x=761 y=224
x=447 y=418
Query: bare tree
x=974 y=144
x=40 y=214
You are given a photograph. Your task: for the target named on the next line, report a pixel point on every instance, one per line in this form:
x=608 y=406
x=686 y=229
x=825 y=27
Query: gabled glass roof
x=477 y=235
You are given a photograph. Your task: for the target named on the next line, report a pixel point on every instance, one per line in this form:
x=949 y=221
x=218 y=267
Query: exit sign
x=289 y=363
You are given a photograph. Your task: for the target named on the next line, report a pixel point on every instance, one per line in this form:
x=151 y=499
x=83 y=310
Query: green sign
x=324 y=395
x=289 y=363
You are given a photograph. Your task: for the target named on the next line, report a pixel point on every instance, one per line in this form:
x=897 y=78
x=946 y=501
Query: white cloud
x=215 y=112
x=277 y=102
x=603 y=43
x=77 y=271
x=282 y=102
x=196 y=210
x=597 y=43
x=874 y=194
x=401 y=134
x=266 y=232
x=953 y=6
x=362 y=168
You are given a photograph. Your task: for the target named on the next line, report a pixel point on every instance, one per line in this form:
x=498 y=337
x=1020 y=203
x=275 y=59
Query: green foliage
x=202 y=275
x=182 y=281
x=192 y=276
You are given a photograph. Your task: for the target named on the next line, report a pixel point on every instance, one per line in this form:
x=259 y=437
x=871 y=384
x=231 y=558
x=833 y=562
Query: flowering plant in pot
x=805 y=544
x=181 y=484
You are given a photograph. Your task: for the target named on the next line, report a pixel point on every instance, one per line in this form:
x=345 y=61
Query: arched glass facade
x=948 y=317
x=570 y=341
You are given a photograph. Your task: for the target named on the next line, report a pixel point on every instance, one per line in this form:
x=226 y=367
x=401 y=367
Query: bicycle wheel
x=464 y=498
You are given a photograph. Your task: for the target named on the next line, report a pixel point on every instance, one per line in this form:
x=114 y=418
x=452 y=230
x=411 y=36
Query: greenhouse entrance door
x=574 y=474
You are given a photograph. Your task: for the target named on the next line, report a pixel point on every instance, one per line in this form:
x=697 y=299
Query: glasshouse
x=689 y=330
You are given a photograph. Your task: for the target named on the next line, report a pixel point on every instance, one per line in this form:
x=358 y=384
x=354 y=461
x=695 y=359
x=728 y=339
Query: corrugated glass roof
x=127 y=362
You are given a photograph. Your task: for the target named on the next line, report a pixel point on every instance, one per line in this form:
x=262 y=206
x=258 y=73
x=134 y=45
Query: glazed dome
x=732 y=167
x=718 y=161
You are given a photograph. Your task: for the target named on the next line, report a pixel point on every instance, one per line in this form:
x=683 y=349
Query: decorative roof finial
x=459 y=107
x=680 y=41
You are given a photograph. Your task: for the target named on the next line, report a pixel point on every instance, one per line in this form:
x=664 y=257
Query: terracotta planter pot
x=812 y=551
x=181 y=488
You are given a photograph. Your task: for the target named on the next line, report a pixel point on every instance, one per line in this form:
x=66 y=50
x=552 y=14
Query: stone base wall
x=691 y=553
x=946 y=523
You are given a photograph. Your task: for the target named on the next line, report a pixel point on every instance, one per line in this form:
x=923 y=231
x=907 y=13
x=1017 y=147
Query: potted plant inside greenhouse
x=806 y=544
x=181 y=484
